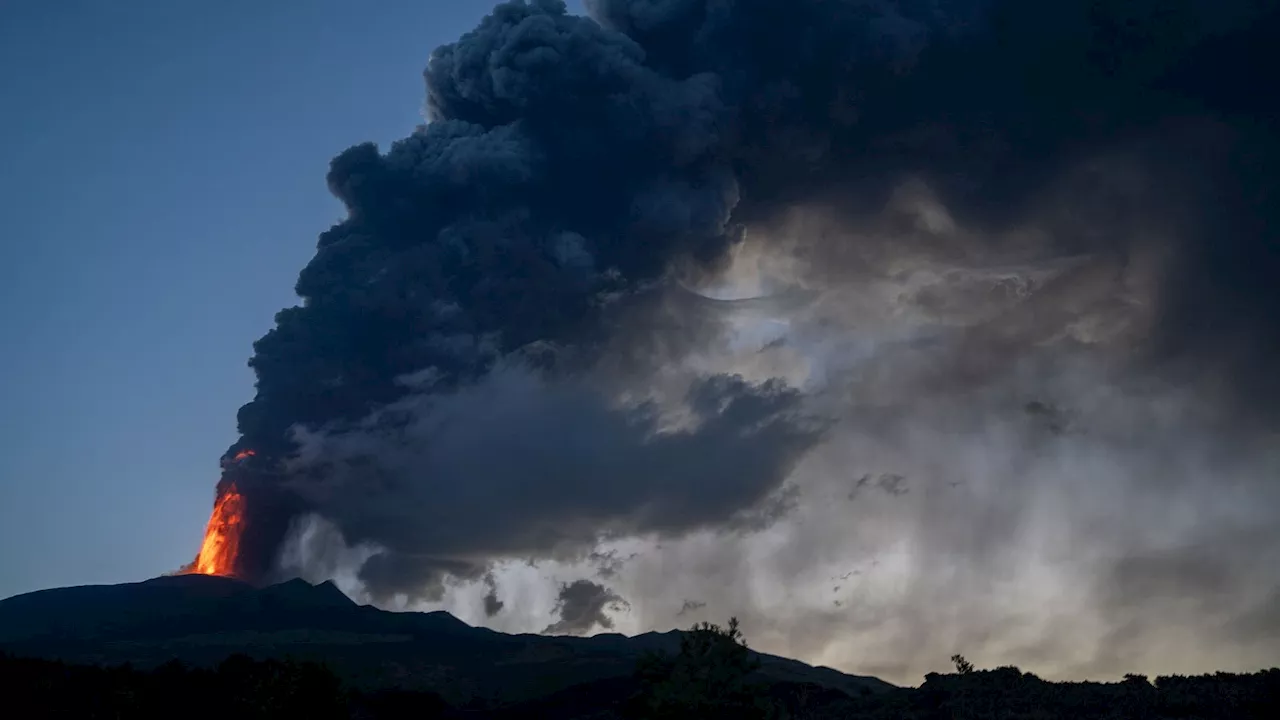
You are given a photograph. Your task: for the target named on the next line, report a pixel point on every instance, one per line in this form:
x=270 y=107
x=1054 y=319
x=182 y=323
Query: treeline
x=1009 y=694
x=712 y=677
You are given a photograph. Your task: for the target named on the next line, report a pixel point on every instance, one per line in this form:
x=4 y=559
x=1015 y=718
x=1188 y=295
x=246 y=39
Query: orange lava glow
x=222 y=535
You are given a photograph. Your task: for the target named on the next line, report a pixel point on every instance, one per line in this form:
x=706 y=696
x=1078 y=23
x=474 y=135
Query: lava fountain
x=221 y=543
x=220 y=549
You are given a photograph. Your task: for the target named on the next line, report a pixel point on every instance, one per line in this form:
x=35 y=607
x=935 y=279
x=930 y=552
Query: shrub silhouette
x=710 y=678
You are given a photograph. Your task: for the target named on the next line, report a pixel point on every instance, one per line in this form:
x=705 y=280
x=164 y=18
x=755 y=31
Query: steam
x=965 y=307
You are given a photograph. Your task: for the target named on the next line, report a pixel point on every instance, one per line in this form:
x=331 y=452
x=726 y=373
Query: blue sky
x=162 y=183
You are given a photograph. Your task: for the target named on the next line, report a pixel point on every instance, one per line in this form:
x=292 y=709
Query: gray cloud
x=1072 y=507
x=609 y=563
x=690 y=606
x=581 y=606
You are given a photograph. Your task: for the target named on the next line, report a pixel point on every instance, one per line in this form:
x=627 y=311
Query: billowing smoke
x=966 y=307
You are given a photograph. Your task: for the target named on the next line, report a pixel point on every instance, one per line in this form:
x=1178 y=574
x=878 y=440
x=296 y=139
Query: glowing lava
x=222 y=536
x=238 y=458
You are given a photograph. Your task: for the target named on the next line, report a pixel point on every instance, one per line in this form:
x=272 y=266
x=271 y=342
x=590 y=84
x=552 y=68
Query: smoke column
x=1030 y=244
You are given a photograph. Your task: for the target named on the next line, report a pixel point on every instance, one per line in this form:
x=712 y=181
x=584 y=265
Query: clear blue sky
x=161 y=183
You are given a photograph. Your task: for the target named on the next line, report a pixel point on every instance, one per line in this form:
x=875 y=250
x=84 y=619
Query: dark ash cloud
x=500 y=352
x=581 y=606
x=517 y=465
x=492 y=605
x=608 y=564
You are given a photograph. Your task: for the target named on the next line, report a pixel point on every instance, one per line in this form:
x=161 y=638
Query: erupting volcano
x=993 y=253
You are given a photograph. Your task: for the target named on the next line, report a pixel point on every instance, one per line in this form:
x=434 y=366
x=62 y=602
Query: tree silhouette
x=710 y=678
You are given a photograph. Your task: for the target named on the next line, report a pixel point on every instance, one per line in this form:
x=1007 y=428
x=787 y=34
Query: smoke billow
x=514 y=465
x=976 y=296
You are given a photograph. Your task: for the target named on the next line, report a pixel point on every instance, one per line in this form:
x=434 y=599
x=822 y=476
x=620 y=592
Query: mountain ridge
x=200 y=620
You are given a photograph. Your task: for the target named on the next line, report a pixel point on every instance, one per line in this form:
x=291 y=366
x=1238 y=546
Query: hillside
x=200 y=620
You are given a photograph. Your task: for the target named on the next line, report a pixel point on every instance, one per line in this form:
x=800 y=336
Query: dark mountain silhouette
x=201 y=620
x=249 y=652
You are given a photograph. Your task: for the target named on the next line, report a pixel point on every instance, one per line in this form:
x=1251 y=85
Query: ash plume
x=683 y=272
